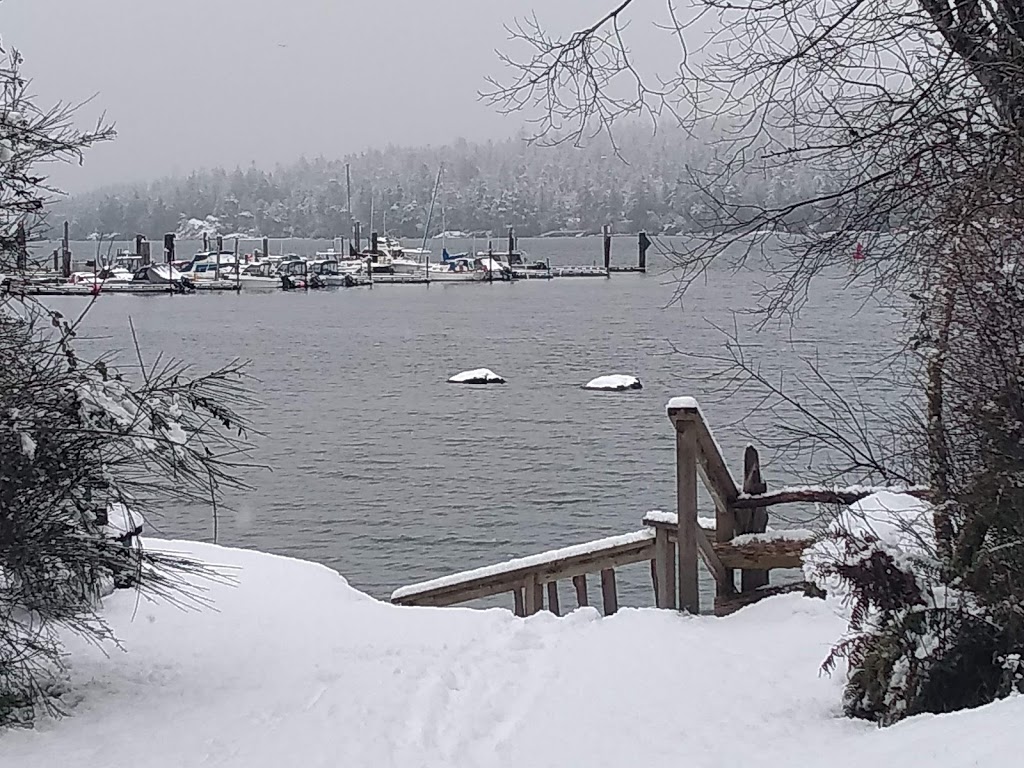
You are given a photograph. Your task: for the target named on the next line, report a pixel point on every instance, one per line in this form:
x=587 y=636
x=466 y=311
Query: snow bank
x=477 y=376
x=296 y=668
x=614 y=383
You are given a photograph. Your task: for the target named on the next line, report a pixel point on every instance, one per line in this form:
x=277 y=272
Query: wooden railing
x=674 y=543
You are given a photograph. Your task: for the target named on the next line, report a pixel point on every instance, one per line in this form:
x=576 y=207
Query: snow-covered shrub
x=915 y=644
x=78 y=443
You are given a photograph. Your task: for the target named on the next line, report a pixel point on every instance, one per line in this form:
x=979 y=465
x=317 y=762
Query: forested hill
x=485 y=188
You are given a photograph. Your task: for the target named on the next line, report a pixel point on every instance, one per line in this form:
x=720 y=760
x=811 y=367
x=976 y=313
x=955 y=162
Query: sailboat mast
x=433 y=199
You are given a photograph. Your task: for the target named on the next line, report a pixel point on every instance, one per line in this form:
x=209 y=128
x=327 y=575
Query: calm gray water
x=388 y=474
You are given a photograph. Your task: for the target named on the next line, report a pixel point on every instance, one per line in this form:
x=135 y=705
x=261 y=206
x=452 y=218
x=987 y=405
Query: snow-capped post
x=643 y=243
x=374 y=242
x=752 y=520
x=511 y=243
x=607 y=240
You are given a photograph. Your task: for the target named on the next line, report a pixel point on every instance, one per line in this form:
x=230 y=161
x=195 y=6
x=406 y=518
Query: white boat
x=467 y=269
x=208 y=265
x=261 y=276
x=106 y=276
x=157 y=274
x=332 y=273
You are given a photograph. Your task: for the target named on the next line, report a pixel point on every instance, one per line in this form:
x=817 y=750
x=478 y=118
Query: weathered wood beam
x=762 y=555
x=822 y=495
x=724 y=584
x=664 y=569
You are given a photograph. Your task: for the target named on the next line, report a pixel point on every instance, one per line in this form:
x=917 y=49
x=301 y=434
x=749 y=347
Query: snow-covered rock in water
x=477 y=376
x=614 y=383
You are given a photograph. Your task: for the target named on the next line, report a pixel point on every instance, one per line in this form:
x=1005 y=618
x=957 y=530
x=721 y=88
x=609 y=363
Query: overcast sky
x=194 y=83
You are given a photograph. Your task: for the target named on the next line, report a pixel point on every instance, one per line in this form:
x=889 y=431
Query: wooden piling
x=138 y=245
x=511 y=243
x=65 y=251
x=56 y=260
x=238 y=270
x=643 y=244
x=374 y=242
x=518 y=606
x=580 y=584
x=752 y=520
x=168 y=247
x=609 y=596
x=357 y=240
x=206 y=242
x=265 y=245
x=553 y=597
x=146 y=254
x=607 y=233
x=220 y=243
x=686 y=509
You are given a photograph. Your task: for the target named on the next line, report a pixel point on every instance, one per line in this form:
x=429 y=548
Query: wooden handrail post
x=753 y=520
x=534 y=595
x=553 y=597
x=686 y=502
x=580 y=584
x=664 y=570
x=609 y=596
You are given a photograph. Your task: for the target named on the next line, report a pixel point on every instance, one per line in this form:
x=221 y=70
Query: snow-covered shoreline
x=293 y=667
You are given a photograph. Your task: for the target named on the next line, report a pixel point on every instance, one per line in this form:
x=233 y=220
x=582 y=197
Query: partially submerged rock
x=614 y=383
x=477 y=376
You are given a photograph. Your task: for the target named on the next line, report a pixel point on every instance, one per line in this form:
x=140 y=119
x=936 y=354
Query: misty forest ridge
x=487 y=187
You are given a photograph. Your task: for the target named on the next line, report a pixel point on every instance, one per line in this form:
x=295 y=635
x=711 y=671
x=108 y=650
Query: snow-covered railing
x=528 y=577
x=736 y=539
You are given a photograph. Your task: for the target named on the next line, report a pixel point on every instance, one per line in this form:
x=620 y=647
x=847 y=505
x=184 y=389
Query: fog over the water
x=193 y=83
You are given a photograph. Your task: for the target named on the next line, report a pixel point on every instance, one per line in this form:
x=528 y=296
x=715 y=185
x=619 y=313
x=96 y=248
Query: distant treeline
x=485 y=188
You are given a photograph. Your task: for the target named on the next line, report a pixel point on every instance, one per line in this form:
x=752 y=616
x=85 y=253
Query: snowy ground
x=295 y=669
